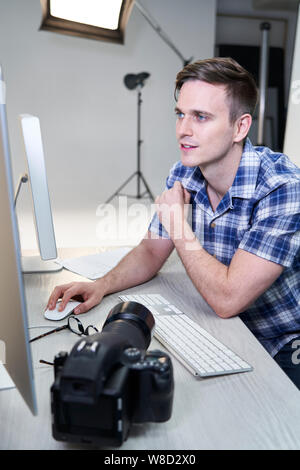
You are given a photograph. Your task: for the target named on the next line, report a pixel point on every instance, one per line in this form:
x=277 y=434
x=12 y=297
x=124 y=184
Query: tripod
x=137 y=173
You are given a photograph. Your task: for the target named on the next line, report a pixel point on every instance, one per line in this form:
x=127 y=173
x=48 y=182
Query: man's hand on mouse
x=91 y=293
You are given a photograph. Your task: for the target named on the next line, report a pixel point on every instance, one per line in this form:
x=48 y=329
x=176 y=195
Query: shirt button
x=212 y=225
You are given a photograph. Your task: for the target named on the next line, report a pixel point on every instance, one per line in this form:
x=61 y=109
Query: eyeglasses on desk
x=74 y=325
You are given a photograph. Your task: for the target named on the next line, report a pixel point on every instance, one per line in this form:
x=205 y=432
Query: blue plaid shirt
x=260 y=213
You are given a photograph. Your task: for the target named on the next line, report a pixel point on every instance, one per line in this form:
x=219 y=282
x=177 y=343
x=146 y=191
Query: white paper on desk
x=5 y=380
x=96 y=265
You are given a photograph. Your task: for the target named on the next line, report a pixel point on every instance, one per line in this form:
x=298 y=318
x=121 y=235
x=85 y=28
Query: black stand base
x=139 y=195
x=138 y=173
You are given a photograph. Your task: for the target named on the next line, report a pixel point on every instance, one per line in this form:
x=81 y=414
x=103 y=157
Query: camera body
x=109 y=382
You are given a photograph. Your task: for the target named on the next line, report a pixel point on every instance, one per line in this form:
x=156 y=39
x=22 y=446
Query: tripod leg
x=121 y=187
x=138 y=172
x=146 y=186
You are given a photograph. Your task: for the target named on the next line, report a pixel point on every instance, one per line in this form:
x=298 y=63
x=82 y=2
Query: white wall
x=291 y=140
x=88 y=117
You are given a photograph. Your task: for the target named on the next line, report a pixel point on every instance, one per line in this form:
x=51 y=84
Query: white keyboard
x=201 y=353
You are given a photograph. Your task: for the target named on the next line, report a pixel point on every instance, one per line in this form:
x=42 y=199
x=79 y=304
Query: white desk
x=254 y=410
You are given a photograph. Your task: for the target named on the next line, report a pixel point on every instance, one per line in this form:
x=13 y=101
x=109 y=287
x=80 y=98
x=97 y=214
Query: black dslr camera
x=109 y=381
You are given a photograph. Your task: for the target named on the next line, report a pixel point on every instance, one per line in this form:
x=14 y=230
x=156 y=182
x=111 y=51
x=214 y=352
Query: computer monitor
x=34 y=152
x=13 y=314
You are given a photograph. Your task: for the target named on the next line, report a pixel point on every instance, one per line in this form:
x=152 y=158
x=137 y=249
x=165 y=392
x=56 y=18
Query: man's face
x=203 y=130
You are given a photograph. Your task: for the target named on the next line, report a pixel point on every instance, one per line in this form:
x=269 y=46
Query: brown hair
x=240 y=85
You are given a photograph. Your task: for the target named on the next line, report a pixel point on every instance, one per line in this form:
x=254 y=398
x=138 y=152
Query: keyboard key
x=197 y=349
x=175 y=309
x=159 y=299
x=147 y=299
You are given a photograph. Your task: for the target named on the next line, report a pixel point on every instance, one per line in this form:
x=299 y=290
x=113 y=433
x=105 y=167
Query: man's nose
x=185 y=127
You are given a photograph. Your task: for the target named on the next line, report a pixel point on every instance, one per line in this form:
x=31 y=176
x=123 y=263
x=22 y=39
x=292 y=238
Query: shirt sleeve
x=275 y=230
x=155 y=227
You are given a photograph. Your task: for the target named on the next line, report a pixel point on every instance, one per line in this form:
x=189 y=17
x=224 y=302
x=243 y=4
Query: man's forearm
x=138 y=266
x=209 y=275
x=229 y=290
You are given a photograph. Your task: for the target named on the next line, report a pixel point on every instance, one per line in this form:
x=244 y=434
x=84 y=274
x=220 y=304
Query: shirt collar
x=196 y=183
x=243 y=186
x=245 y=180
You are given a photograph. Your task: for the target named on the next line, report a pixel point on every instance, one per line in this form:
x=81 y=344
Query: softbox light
x=95 y=19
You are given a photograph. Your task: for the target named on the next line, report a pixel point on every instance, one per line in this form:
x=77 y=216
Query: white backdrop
x=88 y=117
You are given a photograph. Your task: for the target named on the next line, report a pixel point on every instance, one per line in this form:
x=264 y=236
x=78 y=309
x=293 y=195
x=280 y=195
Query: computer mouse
x=56 y=315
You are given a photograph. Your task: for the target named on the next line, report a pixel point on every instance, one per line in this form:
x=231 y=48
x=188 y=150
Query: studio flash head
x=131 y=80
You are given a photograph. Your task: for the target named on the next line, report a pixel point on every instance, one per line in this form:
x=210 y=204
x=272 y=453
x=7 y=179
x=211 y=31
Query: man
x=242 y=249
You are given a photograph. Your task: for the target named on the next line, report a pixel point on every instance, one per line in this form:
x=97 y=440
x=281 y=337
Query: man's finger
x=187 y=196
x=56 y=294
x=84 y=307
x=178 y=186
x=66 y=297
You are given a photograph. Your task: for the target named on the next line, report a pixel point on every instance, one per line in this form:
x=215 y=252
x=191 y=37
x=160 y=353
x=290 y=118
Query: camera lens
x=133 y=321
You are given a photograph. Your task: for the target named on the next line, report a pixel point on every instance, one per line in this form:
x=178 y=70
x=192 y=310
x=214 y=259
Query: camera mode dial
x=131 y=355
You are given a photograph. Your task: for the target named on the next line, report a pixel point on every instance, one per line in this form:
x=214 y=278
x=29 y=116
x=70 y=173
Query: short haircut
x=240 y=85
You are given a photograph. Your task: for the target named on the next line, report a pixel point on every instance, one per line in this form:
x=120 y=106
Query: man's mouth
x=187 y=146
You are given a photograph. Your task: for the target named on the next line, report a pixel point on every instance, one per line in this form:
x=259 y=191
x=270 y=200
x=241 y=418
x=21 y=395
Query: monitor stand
x=34 y=264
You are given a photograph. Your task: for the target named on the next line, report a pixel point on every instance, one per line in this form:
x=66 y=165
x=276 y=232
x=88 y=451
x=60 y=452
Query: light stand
x=136 y=81
x=263 y=81
x=132 y=81
x=153 y=23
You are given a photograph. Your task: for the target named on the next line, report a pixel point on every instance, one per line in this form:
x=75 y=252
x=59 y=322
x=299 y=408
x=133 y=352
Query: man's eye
x=200 y=117
x=179 y=115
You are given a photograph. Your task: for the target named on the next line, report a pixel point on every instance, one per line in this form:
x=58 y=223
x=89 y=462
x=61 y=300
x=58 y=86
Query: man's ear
x=242 y=127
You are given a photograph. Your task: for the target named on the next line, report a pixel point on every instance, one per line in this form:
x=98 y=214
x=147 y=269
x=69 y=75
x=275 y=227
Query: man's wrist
x=186 y=239
x=103 y=283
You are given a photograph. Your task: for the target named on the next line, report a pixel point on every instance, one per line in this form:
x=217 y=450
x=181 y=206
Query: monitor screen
x=34 y=151
x=39 y=187
x=13 y=313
